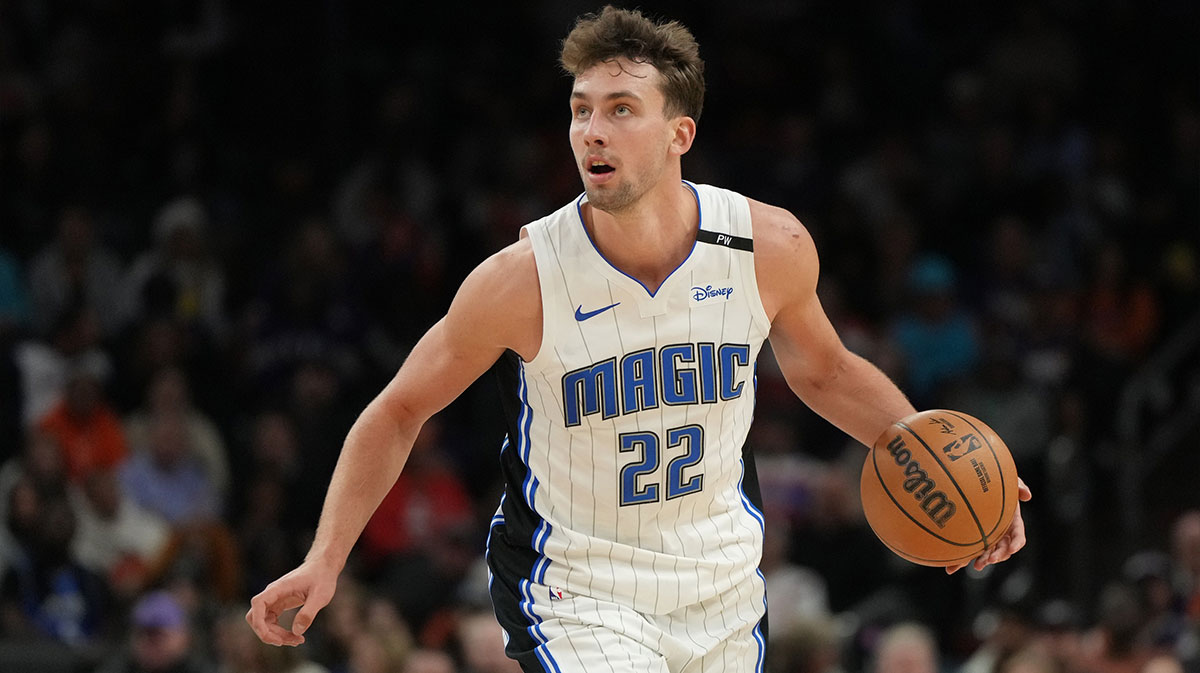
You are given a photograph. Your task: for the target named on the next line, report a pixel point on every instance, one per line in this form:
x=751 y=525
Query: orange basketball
x=938 y=487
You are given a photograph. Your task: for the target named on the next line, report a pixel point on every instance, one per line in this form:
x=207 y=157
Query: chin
x=609 y=200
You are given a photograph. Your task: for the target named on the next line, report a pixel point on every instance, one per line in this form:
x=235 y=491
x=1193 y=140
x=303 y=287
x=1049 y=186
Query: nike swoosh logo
x=581 y=316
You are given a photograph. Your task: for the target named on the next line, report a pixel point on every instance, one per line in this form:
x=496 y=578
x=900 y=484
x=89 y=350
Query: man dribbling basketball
x=625 y=327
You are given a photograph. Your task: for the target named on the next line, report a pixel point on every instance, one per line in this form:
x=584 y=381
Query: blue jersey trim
x=530 y=487
x=758 y=634
x=749 y=506
x=535 y=629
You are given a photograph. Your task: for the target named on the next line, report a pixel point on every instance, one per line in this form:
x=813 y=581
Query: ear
x=684 y=134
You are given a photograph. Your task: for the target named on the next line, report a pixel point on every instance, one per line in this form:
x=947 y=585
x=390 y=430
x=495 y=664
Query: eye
x=582 y=112
x=623 y=110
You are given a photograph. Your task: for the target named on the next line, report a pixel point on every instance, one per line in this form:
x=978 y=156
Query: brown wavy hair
x=669 y=47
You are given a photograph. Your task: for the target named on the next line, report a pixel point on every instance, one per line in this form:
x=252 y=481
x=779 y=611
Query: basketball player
x=625 y=327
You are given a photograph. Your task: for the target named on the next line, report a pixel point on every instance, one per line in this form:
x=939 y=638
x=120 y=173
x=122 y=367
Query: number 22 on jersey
x=647 y=445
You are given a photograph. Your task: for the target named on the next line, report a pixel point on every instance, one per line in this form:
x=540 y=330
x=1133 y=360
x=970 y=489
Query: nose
x=596 y=132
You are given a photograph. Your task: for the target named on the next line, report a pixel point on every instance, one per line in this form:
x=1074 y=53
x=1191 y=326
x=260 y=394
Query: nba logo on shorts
x=556 y=594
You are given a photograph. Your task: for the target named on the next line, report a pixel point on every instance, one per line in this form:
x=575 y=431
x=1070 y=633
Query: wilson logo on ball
x=934 y=503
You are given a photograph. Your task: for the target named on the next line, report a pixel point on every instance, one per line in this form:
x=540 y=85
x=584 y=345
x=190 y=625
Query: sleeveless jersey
x=624 y=466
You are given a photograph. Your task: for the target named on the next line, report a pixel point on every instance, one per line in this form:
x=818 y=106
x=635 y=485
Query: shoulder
x=785 y=257
x=778 y=232
x=501 y=302
x=509 y=273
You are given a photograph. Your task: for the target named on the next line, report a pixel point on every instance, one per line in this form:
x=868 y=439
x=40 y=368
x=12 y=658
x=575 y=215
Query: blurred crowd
x=223 y=226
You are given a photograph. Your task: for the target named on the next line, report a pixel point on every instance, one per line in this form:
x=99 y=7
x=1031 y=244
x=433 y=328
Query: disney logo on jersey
x=700 y=294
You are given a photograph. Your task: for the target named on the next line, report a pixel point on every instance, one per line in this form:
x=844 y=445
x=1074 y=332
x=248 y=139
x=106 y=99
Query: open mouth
x=600 y=168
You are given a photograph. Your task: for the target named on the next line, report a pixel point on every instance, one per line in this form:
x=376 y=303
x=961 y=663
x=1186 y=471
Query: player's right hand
x=308 y=587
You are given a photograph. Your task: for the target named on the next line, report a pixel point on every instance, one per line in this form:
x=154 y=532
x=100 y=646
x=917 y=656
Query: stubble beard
x=624 y=196
x=612 y=200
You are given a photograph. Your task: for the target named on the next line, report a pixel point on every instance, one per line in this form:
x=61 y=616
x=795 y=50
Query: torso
x=624 y=463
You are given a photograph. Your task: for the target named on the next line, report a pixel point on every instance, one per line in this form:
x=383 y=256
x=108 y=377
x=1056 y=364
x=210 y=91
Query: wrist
x=326 y=559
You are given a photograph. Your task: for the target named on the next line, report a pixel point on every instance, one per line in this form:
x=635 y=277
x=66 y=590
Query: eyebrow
x=576 y=95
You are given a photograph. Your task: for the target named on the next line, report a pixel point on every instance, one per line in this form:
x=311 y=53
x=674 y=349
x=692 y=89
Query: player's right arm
x=498 y=307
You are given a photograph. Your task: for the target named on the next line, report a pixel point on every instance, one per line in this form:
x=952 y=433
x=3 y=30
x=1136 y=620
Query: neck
x=652 y=237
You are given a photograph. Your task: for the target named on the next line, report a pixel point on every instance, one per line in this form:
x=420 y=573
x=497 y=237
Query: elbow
x=828 y=374
x=400 y=416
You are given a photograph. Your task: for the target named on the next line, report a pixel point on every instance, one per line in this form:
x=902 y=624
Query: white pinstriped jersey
x=624 y=459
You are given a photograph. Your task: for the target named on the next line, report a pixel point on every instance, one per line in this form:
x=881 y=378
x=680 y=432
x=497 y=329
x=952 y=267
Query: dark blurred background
x=223 y=225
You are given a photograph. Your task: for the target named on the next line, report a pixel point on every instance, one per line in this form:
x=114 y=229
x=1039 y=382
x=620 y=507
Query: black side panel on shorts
x=511 y=556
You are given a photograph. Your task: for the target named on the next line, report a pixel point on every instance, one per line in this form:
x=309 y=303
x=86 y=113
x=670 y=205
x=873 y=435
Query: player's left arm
x=841 y=386
x=844 y=388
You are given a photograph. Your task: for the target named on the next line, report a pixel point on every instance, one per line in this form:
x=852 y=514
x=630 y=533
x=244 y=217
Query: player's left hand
x=1008 y=544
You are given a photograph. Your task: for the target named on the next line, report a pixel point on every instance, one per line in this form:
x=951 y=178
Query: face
x=620 y=135
x=170 y=443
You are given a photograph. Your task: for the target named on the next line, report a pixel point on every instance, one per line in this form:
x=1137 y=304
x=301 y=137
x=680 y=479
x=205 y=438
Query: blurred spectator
x=1054 y=335
x=361 y=630
x=1151 y=574
x=168 y=479
x=75 y=270
x=1007 y=278
x=879 y=184
x=321 y=407
x=117 y=538
x=14 y=322
x=167 y=476
x=304 y=312
x=1115 y=644
x=25 y=482
x=46 y=366
x=162 y=640
x=907 y=647
x=787 y=477
x=1180 y=271
x=164 y=342
x=41 y=464
x=1120 y=323
x=1002 y=630
x=32 y=190
x=1014 y=407
x=1030 y=660
x=482 y=644
x=86 y=427
x=169 y=394
x=273 y=538
x=936 y=337
x=836 y=542
x=418 y=540
x=1163 y=663
x=14 y=300
x=436 y=661
x=383 y=646
x=178 y=277
x=45 y=593
x=237 y=650
x=806 y=646
x=1060 y=635
x=796 y=594
x=1122 y=311
x=1185 y=552
x=403 y=253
